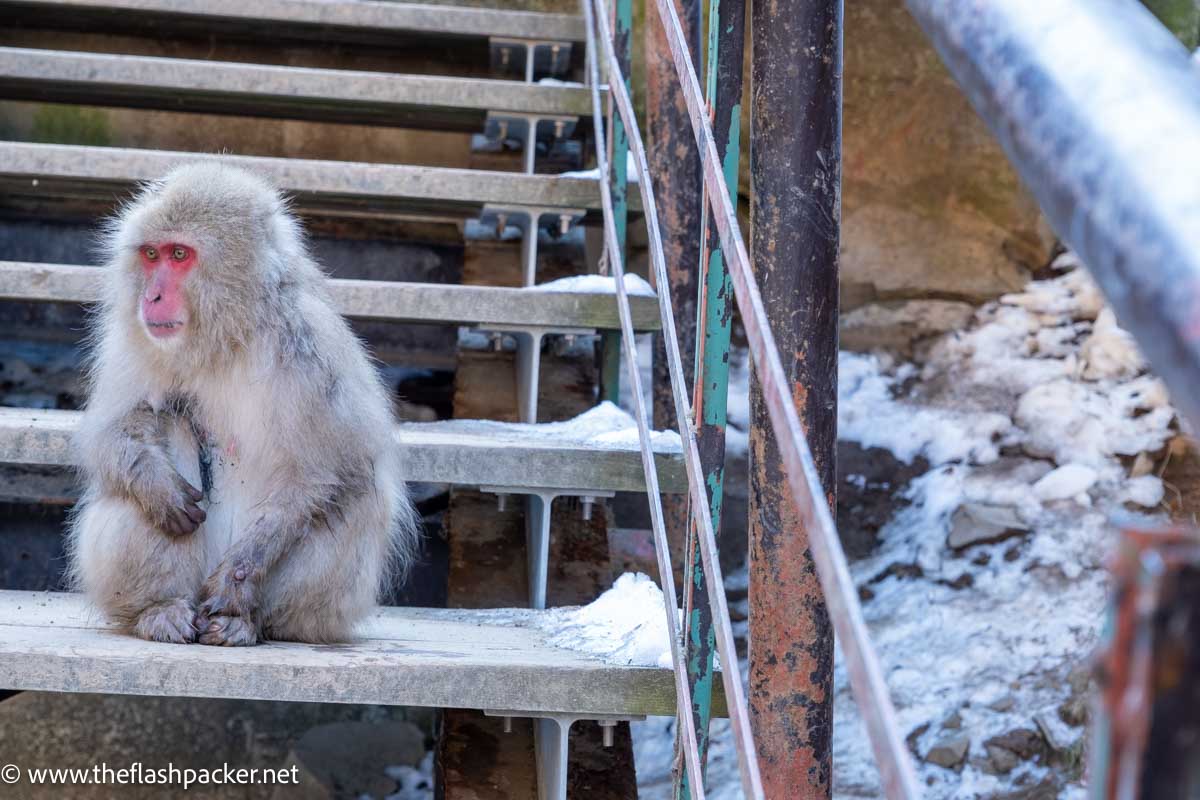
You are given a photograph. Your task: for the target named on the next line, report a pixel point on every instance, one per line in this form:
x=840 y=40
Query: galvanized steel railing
x=865 y=674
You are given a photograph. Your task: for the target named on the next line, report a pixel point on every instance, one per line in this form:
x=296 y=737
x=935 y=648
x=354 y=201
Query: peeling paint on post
x=795 y=164
x=675 y=164
x=723 y=90
x=610 y=343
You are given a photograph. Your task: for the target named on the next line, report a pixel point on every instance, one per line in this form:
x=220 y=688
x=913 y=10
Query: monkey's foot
x=168 y=621
x=226 y=631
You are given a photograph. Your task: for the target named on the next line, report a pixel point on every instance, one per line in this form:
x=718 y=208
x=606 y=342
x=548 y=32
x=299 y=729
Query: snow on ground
x=986 y=592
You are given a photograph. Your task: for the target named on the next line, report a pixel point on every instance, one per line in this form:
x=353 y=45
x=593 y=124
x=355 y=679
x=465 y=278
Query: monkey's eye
x=178 y=253
x=151 y=253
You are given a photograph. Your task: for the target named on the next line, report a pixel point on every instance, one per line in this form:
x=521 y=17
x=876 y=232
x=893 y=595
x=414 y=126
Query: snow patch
x=631 y=171
x=1068 y=480
x=625 y=625
x=868 y=415
x=598 y=284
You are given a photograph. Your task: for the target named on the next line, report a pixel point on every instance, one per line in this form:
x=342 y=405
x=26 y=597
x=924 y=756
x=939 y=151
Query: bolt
x=564 y=224
x=505 y=56
x=497 y=342
x=507 y=720
x=606 y=729
x=501 y=224
x=559 y=126
x=501 y=505
x=587 y=507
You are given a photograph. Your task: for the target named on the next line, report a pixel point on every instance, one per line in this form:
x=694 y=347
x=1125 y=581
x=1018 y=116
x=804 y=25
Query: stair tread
x=385 y=300
x=292 y=92
x=329 y=19
x=459 y=452
x=489 y=660
x=39 y=169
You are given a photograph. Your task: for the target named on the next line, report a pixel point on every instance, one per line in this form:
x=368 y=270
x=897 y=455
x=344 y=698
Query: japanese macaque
x=242 y=481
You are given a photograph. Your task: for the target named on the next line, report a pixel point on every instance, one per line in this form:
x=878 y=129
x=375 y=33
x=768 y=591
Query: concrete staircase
x=499 y=662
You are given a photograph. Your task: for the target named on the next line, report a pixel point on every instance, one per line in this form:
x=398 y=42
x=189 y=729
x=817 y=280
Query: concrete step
x=325 y=95
x=343 y=188
x=432 y=303
x=554 y=456
x=328 y=21
x=488 y=660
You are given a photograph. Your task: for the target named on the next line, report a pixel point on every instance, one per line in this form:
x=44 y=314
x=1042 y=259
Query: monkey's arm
x=126 y=455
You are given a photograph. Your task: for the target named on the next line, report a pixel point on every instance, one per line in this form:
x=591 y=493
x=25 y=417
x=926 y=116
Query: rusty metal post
x=795 y=166
x=1146 y=725
x=714 y=321
x=675 y=164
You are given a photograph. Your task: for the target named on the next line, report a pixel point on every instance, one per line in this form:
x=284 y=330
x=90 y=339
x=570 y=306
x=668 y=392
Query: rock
x=978 y=523
x=930 y=204
x=1024 y=743
x=952 y=722
x=1065 y=482
x=1000 y=761
x=350 y=759
x=914 y=737
x=897 y=326
x=1061 y=737
x=949 y=751
x=866 y=503
x=1003 y=703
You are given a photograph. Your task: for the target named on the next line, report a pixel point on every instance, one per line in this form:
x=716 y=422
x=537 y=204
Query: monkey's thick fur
x=307 y=517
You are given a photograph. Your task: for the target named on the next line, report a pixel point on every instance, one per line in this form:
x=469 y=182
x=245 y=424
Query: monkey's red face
x=164 y=306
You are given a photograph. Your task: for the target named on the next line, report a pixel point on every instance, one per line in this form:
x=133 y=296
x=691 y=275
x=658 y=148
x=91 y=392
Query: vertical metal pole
x=795 y=167
x=675 y=164
x=618 y=146
x=714 y=306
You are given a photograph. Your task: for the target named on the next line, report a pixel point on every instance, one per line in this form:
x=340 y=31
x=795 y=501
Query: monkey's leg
x=327 y=585
x=143 y=580
x=304 y=580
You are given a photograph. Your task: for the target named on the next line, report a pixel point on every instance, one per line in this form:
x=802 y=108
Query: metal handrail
x=866 y=676
x=735 y=695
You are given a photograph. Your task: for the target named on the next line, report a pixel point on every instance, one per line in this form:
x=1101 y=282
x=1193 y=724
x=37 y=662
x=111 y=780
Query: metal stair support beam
x=529 y=56
x=552 y=737
x=528 y=127
x=537 y=529
x=257 y=90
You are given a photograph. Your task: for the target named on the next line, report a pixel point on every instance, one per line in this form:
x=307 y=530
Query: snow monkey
x=241 y=478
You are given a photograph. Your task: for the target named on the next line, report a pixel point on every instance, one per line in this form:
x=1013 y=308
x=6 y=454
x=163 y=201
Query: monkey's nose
x=153 y=299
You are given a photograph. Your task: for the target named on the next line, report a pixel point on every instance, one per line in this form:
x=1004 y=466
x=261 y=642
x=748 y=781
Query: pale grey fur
x=307 y=518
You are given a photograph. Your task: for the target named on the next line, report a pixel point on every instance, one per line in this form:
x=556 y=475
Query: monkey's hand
x=169 y=502
x=229 y=605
